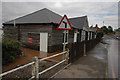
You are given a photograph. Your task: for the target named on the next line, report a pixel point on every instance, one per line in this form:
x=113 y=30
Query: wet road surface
x=119 y=59
x=113 y=58
x=94 y=65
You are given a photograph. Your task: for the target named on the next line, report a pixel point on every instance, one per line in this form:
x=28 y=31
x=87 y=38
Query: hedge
x=11 y=49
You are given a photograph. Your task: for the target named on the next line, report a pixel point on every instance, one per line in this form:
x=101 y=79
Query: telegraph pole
x=103 y=23
x=14 y=23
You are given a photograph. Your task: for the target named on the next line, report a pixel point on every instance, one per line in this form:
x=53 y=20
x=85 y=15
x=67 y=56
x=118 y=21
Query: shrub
x=11 y=49
x=100 y=34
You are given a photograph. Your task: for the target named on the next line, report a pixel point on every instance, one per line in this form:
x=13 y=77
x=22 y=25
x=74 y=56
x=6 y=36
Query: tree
x=104 y=29
x=110 y=29
x=96 y=25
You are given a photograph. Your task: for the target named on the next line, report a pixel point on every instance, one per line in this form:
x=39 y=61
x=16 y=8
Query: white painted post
x=35 y=71
x=67 y=35
x=64 y=44
x=64 y=40
x=67 y=56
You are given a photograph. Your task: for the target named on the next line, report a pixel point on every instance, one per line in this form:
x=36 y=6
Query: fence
x=35 y=69
x=16 y=69
x=79 y=49
x=36 y=72
x=74 y=52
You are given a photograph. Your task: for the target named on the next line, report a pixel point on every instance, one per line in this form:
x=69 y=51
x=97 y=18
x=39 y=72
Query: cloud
x=60 y=0
x=0 y=14
x=97 y=12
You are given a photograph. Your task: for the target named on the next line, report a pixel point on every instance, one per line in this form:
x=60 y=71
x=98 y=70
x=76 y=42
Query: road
x=119 y=59
x=93 y=65
x=113 y=50
x=0 y=57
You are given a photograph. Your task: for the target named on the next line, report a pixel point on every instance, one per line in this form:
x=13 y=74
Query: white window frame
x=83 y=35
x=88 y=35
x=75 y=37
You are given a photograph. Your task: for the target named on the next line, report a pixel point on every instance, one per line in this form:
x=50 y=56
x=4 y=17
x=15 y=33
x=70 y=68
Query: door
x=44 y=42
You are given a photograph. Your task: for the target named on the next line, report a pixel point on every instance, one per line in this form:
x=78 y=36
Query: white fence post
x=67 y=56
x=35 y=70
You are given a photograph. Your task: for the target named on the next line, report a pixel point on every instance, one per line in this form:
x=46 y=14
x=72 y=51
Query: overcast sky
x=97 y=12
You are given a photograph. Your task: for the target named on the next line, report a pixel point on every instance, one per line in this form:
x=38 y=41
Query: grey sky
x=97 y=12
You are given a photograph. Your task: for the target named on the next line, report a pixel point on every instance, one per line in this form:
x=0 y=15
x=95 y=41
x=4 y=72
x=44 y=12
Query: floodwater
x=24 y=59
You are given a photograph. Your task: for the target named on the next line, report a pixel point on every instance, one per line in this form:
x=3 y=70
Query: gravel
x=26 y=73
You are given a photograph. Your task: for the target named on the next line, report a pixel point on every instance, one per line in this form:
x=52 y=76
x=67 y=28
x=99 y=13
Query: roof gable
x=47 y=16
x=41 y=16
x=79 y=22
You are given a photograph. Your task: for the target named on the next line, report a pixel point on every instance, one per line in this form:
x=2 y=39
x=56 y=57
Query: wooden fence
x=78 y=49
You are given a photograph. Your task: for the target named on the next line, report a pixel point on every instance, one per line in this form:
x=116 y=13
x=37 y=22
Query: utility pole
x=103 y=23
x=14 y=23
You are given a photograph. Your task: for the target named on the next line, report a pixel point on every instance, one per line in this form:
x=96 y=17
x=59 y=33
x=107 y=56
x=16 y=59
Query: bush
x=100 y=34
x=11 y=49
